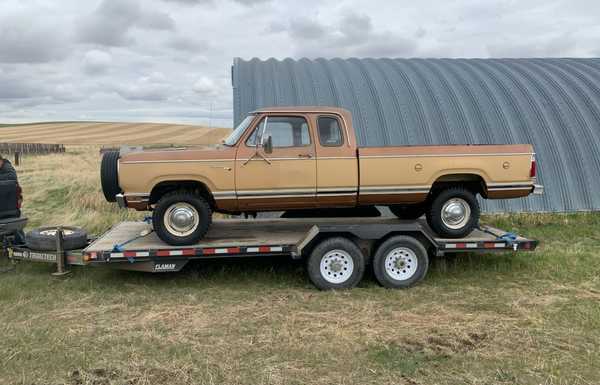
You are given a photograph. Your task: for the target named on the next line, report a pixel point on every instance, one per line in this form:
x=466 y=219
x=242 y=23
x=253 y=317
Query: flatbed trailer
x=337 y=249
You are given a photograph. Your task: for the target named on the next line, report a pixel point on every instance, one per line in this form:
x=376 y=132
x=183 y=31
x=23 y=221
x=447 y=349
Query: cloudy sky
x=170 y=60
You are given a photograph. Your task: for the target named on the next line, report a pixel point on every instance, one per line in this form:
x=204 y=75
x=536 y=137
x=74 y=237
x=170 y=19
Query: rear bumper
x=538 y=189
x=10 y=225
x=135 y=201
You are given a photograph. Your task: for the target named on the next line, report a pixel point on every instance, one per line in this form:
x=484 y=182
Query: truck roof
x=318 y=109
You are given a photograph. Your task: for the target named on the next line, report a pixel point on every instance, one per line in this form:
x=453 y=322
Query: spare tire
x=44 y=238
x=109 y=175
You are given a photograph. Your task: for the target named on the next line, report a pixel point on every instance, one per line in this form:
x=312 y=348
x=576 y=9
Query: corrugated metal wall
x=552 y=103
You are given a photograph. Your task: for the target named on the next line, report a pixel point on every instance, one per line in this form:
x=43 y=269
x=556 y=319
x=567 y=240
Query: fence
x=30 y=148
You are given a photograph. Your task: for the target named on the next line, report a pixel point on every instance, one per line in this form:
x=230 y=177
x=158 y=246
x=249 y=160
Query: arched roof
x=552 y=103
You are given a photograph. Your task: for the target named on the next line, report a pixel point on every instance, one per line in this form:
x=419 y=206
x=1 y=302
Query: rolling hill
x=97 y=133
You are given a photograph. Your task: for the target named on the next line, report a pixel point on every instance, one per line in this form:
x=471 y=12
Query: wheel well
x=473 y=182
x=189 y=185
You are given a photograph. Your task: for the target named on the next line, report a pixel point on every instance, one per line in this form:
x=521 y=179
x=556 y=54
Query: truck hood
x=180 y=155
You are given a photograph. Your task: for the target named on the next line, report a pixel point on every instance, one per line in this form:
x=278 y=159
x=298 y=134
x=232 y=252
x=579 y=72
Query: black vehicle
x=11 y=198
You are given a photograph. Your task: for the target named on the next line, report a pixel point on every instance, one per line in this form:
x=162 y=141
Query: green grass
x=525 y=318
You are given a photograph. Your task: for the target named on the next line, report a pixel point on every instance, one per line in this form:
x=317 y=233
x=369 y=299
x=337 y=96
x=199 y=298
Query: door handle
x=308 y=156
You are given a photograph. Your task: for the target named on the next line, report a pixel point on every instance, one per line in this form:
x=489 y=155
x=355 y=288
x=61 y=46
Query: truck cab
x=295 y=158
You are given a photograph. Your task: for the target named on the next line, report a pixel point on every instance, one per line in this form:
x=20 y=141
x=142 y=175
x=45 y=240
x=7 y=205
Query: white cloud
x=205 y=86
x=170 y=60
x=24 y=41
x=110 y=24
x=96 y=62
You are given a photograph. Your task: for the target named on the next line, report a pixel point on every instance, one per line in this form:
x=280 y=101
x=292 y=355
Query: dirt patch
x=445 y=344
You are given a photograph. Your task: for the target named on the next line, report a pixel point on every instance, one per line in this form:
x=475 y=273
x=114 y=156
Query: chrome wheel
x=52 y=232
x=181 y=219
x=456 y=213
x=401 y=263
x=337 y=266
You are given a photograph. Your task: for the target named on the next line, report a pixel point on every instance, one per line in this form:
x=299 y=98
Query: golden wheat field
x=98 y=133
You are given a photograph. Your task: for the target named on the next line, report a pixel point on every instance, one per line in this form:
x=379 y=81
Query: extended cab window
x=285 y=131
x=330 y=133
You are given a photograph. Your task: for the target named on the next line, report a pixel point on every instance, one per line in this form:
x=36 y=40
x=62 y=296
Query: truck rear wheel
x=454 y=212
x=181 y=218
x=400 y=262
x=336 y=263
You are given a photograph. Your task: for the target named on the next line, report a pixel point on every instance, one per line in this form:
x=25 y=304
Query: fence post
x=17 y=158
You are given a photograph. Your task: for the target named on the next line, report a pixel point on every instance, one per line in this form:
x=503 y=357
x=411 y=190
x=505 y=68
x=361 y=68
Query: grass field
x=530 y=318
x=98 y=133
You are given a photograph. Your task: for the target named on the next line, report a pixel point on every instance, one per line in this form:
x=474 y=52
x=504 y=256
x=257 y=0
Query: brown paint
x=508 y=194
x=387 y=199
x=276 y=204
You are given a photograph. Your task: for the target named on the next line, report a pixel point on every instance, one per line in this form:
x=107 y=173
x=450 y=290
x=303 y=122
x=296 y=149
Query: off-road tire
x=38 y=239
x=198 y=202
x=408 y=211
x=109 y=175
x=421 y=259
x=434 y=213
x=329 y=245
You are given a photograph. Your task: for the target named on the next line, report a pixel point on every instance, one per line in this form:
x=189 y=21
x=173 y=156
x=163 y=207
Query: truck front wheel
x=454 y=212
x=181 y=218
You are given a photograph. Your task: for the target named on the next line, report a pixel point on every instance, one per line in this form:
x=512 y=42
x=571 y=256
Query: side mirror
x=268 y=144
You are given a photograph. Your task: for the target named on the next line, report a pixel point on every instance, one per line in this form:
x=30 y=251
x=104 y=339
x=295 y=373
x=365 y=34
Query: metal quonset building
x=552 y=103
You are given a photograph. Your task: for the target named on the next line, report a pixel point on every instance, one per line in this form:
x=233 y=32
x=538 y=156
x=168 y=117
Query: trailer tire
x=444 y=214
x=400 y=262
x=192 y=208
x=44 y=238
x=336 y=263
x=109 y=175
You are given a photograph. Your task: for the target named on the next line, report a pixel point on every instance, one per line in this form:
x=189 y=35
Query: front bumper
x=538 y=189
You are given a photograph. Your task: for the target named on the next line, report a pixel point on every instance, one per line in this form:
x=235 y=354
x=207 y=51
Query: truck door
x=283 y=178
x=337 y=163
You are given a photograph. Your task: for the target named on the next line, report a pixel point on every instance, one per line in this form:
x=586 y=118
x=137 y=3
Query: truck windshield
x=239 y=130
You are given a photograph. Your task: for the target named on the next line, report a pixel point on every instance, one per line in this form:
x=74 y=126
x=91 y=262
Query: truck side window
x=288 y=131
x=330 y=133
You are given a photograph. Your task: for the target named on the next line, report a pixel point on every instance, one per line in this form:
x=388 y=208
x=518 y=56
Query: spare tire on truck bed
x=44 y=238
x=109 y=175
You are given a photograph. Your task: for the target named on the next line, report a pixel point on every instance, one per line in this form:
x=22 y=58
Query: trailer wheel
x=400 y=262
x=336 y=263
x=44 y=238
x=181 y=218
x=454 y=212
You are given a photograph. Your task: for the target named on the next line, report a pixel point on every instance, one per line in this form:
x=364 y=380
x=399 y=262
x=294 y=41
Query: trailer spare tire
x=44 y=238
x=109 y=175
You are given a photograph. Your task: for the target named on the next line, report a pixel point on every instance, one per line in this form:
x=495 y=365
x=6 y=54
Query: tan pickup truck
x=307 y=158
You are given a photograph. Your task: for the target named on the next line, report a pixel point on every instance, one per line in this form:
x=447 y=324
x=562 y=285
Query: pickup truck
x=288 y=158
x=11 y=198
